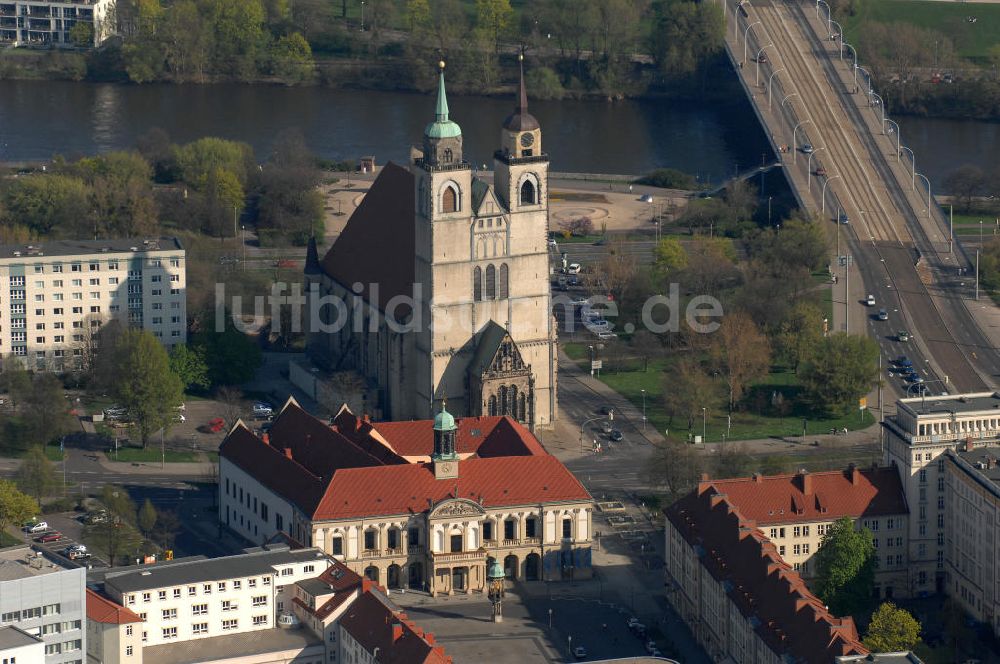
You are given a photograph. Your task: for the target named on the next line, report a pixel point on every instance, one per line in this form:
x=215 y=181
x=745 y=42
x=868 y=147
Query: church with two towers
x=439 y=288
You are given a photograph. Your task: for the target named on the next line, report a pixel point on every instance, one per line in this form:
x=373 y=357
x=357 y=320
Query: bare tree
x=741 y=352
x=676 y=467
x=231 y=399
x=687 y=390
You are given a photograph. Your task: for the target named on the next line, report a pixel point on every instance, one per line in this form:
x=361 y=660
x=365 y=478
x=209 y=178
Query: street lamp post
x=795 y=144
x=746 y=36
x=761 y=51
x=704 y=425
x=643 y=409
x=362 y=15
x=611 y=416
x=928 y=183
x=770 y=80
x=810 y=169
x=826 y=182
x=881 y=105
x=913 y=166
x=839 y=35
x=896 y=131
x=550 y=618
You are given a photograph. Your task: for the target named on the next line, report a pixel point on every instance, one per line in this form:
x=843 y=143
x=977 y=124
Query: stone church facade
x=445 y=277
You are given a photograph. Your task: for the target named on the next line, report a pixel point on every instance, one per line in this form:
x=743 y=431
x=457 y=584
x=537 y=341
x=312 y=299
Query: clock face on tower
x=527 y=140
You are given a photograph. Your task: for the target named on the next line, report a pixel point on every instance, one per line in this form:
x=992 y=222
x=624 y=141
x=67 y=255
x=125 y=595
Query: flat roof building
x=50 y=22
x=55 y=296
x=19 y=647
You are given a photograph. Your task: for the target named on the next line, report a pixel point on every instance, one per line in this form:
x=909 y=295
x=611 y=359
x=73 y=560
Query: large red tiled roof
x=788 y=617
x=804 y=497
x=377 y=245
x=376 y=623
x=350 y=468
x=484 y=436
x=103 y=610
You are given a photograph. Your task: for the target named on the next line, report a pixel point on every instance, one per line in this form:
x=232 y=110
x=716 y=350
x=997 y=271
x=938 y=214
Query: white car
x=261 y=409
x=573 y=268
x=179 y=417
x=37 y=527
x=552 y=243
x=580 y=302
x=870 y=301
x=607 y=335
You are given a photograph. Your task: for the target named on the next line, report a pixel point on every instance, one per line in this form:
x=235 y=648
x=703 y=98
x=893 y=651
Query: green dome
x=442 y=127
x=444 y=421
x=495 y=571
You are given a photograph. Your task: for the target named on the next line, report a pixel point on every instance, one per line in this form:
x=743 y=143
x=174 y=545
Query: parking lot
x=69 y=528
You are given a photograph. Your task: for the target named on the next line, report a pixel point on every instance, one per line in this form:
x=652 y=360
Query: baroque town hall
x=445 y=278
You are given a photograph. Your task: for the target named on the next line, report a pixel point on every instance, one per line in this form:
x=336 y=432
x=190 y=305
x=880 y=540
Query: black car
x=616 y=435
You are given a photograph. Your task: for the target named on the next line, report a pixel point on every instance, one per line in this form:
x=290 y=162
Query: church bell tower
x=445 y=458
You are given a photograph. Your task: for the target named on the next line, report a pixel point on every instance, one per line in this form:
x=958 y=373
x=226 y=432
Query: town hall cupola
x=443 y=137
x=444 y=457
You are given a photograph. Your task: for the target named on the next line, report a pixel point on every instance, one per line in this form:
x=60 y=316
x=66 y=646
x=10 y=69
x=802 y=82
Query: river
x=712 y=140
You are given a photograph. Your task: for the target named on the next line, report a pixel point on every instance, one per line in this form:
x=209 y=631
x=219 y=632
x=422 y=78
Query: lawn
x=6 y=539
x=752 y=422
x=972 y=40
x=151 y=455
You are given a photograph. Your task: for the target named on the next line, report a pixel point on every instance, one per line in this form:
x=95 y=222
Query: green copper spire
x=442 y=127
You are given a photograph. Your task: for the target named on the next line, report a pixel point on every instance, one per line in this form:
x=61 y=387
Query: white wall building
x=46 y=23
x=19 y=647
x=55 y=296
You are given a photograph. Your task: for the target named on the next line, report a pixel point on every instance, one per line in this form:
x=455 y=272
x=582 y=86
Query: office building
x=44 y=597
x=55 y=296
x=47 y=23
x=19 y=647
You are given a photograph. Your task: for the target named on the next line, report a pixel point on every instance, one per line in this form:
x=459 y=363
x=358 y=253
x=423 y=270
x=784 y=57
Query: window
x=146 y=597
x=308 y=569
x=567 y=528
x=169 y=632
x=145 y=635
x=237 y=585
x=113 y=281
x=923 y=476
x=529 y=528
x=39 y=297
x=12 y=616
x=162 y=594
x=797 y=531
x=169 y=614
x=260 y=620
x=260 y=600
x=232 y=623
x=177 y=592
x=805 y=548
x=456 y=543
x=175 y=262
x=229 y=605
x=449 y=200
x=199 y=609
x=337 y=545
x=796 y=549
x=288 y=571
x=781 y=550
x=128 y=630
x=94 y=267
x=222 y=586
x=192 y=591
x=504 y=287
x=528 y=193
x=477 y=284
x=252 y=583
x=57 y=268
x=491 y=282
x=207 y=589
x=175 y=278
x=156 y=278
x=774 y=533
x=52 y=628
x=128 y=651
x=77 y=310
x=199 y=628
x=805 y=531
x=53 y=648
x=263 y=511
x=39 y=269
x=267 y=580
x=369 y=540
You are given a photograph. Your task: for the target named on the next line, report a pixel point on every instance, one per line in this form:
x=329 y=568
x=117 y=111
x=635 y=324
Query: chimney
x=805 y=482
x=853 y=474
x=288 y=452
x=367 y=418
x=335 y=428
x=266 y=437
x=397 y=631
x=758 y=478
x=704 y=477
x=357 y=424
x=429 y=637
x=968 y=445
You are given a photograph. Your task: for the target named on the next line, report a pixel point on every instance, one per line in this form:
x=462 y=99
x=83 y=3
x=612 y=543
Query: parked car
x=262 y=410
x=552 y=243
x=870 y=301
x=180 y=417
x=580 y=652
x=606 y=335
x=573 y=268
x=606 y=426
x=807 y=148
x=646 y=198
x=843 y=218
x=579 y=302
x=36 y=527
x=904 y=361
x=762 y=58
x=616 y=436
x=903 y=336
x=883 y=314
x=91 y=518
x=51 y=536
x=215 y=425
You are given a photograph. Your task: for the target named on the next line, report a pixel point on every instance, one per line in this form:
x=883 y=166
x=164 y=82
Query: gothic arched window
x=504 y=285
x=447 y=156
x=449 y=200
x=511 y=408
x=521 y=409
x=502 y=399
x=491 y=282
x=492 y=411
x=528 y=193
x=477 y=284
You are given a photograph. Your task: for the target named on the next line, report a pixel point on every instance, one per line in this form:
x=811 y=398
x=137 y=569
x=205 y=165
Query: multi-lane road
x=803 y=94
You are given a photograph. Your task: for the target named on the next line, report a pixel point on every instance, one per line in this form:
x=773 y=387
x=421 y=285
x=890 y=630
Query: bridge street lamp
x=868 y=78
x=826 y=182
x=795 y=145
x=770 y=81
x=757 y=77
x=896 y=130
x=746 y=36
x=810 y=169
x=881 y=105
x=928 y=182
x=829 y=17
x=913 y=167
x=855 y=53
x=840 y=36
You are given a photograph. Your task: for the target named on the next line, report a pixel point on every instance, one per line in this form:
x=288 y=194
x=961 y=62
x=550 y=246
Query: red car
x=216 y=424
x=49 y=537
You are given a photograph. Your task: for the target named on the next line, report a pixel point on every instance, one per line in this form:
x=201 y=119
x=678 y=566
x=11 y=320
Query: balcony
x=459 y=557
x=531 y=541
x=397 y=551
x=371 y=553
x=491 y=544
x=511 y=542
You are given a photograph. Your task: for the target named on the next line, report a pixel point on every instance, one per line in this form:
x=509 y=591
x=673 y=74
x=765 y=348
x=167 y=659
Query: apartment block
x=742 y=601
x=113 y=632
x=916 y=440
x=45 y=599
x=794 y=511
x=19 y=647
x=374 y=629
x=54 y=297
x=200 y=598
x=44 y=23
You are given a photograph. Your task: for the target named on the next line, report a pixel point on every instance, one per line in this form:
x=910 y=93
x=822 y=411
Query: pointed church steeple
x=522 y=97
x=443 y=137
x=521 y=120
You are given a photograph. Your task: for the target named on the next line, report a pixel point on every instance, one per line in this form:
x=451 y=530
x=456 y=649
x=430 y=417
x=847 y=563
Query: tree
x=238 y=27
x=188 y=363
x=686 y=391
x=892 y=630
x=231 y=399
x=82 y=34
x=676 y=466
x=121 y=200
x=186 y=39
x=845 y=568
x=117 y=534
x=492 y=18
x=232 y=357
x=615 y=272
x=710 y=265
x=731 y=460
x=16 y=382
x=839 y=372
x=669 y=256
x=197 y=160
x=741 y=352
x=646 y=345
x=669 y=178
x=15 y=506
x=46 y=203
x=292 y=59
x=686 y=35
x=146 y=518
x=965 y=183
x=799 y=335
x=145 y=385
x=44 y=408
x=798 y=246
x=36 y=476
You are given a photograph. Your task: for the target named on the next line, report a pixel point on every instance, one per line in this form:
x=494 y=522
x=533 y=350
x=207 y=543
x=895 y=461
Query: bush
x=544 y=84
x=669 y=178
x=68 y=504
x=580 y=227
